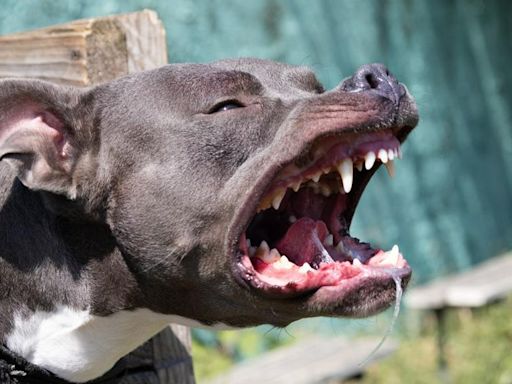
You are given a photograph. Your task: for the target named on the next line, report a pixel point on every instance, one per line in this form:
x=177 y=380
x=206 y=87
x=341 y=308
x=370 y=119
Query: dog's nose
x=375 y=77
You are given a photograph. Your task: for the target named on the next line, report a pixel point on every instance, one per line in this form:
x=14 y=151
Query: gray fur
x=142 y=212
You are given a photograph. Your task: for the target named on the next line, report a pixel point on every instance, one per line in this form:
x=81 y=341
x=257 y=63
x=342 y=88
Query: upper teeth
x=316 y=176
x=345 y=168
x=369 y=160
x=383 y=155
x=276 y=201
x=346 y=171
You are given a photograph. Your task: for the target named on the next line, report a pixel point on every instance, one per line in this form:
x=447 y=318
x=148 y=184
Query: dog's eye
x=225 y=106
x=319 y=89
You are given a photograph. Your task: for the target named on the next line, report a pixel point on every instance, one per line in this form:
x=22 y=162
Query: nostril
x=372 y=80
x=375 y=78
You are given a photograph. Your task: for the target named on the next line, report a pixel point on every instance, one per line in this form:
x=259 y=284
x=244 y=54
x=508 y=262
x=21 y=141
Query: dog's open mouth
x=298 y=239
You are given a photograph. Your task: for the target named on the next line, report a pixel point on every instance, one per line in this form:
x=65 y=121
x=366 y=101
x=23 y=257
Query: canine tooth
x=316 y=176
x=391 y=259
x=346 y=171
x=383 y=156
x=390 y=166
x=305 y=268
x=369 y=160
x=329 y=240
x=340 y=247
x=296 y=186
x=356 y=263
x=391 y=256
x=359 y=166
x=276 y=202
x=292 y=219
x=391 y=154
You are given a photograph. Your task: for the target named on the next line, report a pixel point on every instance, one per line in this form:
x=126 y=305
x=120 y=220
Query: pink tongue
x=300 y=244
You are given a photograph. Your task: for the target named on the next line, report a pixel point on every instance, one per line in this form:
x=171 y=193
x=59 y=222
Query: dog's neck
x=62 y=307
x=52 y=282
x=47 y=259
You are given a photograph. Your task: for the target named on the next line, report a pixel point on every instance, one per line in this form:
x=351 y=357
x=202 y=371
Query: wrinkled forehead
x=274 y=74
x=185 y=89
x=248 y=75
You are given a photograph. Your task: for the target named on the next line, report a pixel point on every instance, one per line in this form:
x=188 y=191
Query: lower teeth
x=393 y=257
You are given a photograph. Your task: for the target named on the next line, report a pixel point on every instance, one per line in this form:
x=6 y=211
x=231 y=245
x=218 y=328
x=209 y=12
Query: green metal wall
x=450 y=205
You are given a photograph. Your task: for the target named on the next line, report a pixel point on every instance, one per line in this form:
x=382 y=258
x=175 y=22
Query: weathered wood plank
x=145 y=40
x=86 y=52
x=479 y=286
x=313 y=360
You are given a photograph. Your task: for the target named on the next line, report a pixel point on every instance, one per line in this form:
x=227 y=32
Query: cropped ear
x=38 y=134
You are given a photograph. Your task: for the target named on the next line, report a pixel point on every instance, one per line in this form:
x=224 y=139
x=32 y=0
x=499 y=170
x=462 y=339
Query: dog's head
x=208 y=174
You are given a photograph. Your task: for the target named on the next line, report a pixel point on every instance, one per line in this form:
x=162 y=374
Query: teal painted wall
x=450 y=205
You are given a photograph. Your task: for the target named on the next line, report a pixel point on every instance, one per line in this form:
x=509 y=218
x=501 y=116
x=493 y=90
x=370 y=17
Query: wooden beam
x=479 y=286
x=86 y=52
x=316 y=359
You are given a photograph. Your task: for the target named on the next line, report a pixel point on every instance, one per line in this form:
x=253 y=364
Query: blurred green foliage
x=216 y=352
x=478 y=349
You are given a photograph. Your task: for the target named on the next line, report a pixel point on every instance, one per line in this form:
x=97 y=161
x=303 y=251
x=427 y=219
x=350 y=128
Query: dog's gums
x=298 y=240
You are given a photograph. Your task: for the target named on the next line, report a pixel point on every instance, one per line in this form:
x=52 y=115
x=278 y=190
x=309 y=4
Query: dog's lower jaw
x=78 y=346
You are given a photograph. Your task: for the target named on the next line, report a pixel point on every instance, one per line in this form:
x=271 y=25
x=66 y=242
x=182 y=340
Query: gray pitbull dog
x=206 y=194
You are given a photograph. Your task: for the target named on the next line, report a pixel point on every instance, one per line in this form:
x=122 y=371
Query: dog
x=215 y=195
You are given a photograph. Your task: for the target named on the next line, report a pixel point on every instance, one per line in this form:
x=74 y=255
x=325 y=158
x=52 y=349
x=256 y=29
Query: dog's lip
x=345 y=299
x=343 y=288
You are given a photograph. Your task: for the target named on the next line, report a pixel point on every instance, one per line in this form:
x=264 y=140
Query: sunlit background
x=450 y=204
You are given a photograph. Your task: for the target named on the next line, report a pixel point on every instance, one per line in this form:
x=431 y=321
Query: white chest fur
x=78 y=346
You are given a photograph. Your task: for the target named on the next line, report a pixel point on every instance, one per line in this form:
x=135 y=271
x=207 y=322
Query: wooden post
x=84 y=53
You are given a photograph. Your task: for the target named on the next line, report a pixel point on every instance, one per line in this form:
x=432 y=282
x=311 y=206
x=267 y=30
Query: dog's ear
x=39 y=133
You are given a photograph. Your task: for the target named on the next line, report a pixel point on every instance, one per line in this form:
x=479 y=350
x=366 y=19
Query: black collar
x=15 y=369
